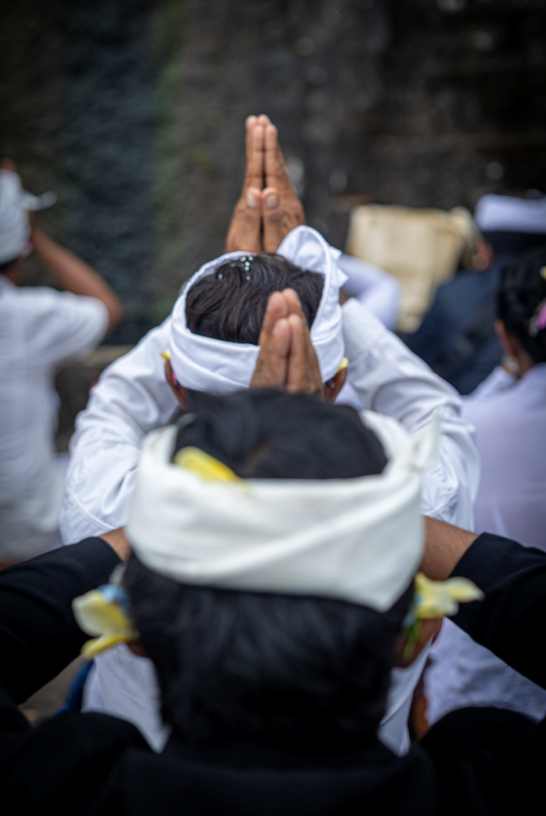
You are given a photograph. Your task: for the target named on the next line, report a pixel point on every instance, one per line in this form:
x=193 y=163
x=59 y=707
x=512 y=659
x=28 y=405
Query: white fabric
x=38 y=328
x=359 y=540
x=394 y=726
x=15 y=204
x=124 y=677
x=500 y=213
x=219 y=367
x=378 y=291
x=132 y=398
x=510 y=420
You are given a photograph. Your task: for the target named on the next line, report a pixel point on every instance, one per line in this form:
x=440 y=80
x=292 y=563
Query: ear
x=179 y=391
x=334 y=385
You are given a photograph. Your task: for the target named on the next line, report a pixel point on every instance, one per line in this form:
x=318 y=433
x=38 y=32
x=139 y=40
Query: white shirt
x=510 y=420
x=132 y=397
x=378 y=291
x=39 y=327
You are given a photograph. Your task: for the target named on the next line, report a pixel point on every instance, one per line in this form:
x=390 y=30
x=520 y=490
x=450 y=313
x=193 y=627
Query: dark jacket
x=474 y=761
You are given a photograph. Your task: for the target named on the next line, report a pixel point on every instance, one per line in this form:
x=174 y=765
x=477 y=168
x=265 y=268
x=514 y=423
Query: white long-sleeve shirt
x=377 y=290
x=132 y=397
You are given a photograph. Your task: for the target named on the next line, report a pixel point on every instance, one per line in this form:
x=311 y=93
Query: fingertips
x=271 y=136
x=276 y=307
x=292 y=299
x=258 y=137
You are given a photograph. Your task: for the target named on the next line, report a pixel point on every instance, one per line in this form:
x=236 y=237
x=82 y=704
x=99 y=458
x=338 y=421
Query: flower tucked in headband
x=104 y=613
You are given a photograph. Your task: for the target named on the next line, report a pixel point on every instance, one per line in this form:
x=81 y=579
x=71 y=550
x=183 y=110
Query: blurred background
x=133 y=112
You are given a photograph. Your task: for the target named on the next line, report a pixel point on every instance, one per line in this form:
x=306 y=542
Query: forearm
x=445 y=545
x=74 y=275
x=38 y=633
x=131 y=398
x=511 y=620
x=387 y=376
x=378 y=291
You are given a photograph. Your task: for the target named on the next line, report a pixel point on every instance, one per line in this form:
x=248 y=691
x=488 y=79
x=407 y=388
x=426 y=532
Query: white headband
x=14 y=206
x=219 y=367
x=358 y=540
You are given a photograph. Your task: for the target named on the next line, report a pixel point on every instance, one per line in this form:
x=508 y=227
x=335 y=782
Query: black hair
x=304 y=672
x=230 y=304
x=521 y=294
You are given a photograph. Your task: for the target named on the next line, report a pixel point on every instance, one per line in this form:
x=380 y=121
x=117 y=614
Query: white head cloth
x=220 y=367
x=14 y=206
x=358 y=540
x=502 y=213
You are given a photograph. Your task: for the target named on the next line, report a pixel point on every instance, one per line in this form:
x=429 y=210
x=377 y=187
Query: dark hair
x=301 y=671
x=268 y=434
x=230 y=304
x=522 y=291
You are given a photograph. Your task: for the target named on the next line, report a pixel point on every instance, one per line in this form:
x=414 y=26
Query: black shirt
x=473 y=761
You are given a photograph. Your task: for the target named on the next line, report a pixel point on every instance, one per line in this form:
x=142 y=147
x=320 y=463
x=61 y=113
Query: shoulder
x=70 y=752
x=486 y=757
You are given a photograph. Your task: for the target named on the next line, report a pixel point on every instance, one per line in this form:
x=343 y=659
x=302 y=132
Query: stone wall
x=416 y=102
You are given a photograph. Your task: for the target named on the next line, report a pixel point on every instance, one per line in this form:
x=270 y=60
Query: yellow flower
x=100 y=613
x=207 y=467
x=436 y=598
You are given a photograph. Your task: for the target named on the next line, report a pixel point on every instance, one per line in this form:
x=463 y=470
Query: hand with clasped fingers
x=287 y=358
x=268 y=208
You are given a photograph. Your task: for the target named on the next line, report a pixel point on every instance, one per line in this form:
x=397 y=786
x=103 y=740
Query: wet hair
x=302 y=672
x=230 y=304
x=520 y=298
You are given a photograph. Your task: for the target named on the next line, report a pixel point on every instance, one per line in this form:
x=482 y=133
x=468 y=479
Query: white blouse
x=510 y=420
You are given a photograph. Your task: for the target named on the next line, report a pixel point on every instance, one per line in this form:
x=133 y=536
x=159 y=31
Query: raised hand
x=245 y=229
x=268 y=208
x=282 y=210
x=287 y=359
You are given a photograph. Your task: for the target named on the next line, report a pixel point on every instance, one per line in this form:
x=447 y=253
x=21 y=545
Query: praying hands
x=268 y=208
x=287 y=359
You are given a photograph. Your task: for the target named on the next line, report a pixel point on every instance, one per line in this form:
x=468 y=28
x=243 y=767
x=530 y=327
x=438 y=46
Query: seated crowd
x=291 y=490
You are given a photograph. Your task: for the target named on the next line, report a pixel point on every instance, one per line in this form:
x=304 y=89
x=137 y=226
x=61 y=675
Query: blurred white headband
x=358 y=540
x=219 y=367
x=14 y=206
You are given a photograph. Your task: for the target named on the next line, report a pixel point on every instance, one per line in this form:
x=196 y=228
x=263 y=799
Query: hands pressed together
x=268 y=208
x=287 y=358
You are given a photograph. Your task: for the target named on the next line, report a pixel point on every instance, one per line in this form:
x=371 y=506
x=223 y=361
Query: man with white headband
x=134 y=397
x=272 y=583
x=39 y=327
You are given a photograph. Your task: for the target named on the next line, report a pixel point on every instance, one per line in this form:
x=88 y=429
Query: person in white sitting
x=212 y=350
x=39 y=327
